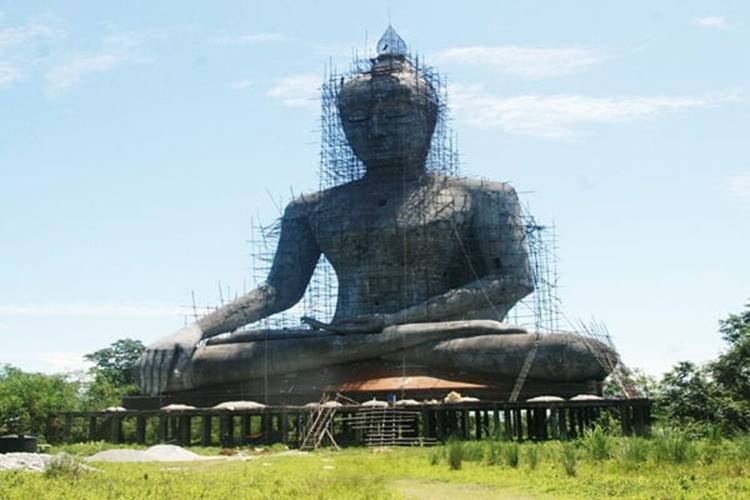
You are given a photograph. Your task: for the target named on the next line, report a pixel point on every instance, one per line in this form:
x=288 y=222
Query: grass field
x=599 y=466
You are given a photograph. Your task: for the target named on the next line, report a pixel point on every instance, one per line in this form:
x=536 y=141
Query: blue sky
x=138 y=140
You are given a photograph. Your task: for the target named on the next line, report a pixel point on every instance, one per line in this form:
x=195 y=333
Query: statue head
x=389 y=112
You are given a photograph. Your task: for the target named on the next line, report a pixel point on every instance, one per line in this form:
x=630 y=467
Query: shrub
x=742 y=447
x=455 y=454
x=436 y=456
x=532 y=456
x=494 y=451
x=569 y=459
x=672 y=446
x=598 y=444
x=634 y=451
x=473 y=451
x=511 y=453
x=64 y=465
x=709 y=452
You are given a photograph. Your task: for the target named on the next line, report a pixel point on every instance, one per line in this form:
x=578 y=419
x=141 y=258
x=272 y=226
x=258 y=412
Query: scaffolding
x=427 y=241
x=339 y=165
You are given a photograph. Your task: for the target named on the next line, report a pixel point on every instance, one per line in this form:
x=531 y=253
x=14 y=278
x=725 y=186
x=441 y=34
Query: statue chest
x=386 y=231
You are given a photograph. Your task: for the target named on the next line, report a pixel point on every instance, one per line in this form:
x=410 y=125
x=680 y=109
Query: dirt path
x=418 y=490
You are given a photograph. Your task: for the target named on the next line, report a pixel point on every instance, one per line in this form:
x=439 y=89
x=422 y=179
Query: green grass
x=635 y=468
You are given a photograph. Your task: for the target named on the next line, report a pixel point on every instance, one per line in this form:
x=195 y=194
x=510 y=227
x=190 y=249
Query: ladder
x=320 y=427
x=527 y=363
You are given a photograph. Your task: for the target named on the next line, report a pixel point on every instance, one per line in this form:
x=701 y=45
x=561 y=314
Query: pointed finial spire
x=391 y=44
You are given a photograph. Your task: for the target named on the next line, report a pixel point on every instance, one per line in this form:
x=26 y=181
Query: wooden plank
x=440 y=427
x=206 y=428
x=284 y=427
x=184 y=430
x=116 y=429
x=227 y=430
x=245 y=428
x=553 y=425
x=162 y=431
x=68 y=429
x=92 y=428
x=266 y=425
x=140 y=429
x=517 y=422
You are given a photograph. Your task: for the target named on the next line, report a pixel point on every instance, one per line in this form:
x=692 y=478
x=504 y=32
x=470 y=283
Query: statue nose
x=376 y=125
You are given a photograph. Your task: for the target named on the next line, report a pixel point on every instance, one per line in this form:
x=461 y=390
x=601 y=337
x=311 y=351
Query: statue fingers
x=151 y=371
x=165 y=367
x=141 y=366
x=314 y=323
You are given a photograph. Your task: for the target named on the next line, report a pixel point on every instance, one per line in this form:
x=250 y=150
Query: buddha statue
x=428 y=266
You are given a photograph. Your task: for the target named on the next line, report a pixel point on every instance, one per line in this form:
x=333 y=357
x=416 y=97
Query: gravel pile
x=158 y=453
x=35 y=462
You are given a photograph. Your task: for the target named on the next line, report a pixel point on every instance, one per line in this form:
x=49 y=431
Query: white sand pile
x=177 y=407
x=408 y=402
x=158 y=453
x=374 y=403
x=239 y=405
x=115 y=409
x=454 y=398
x=35 y=462
x=586 y=397
x=544 y=399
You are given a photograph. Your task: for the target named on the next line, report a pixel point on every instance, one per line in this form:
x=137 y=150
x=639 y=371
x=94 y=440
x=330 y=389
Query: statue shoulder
x=483 y=191
x=308 y=204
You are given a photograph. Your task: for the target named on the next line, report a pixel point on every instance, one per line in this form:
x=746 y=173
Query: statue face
x=388 y=117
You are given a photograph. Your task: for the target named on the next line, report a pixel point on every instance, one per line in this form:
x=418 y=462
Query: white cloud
x=23 y=48
x=564 y=116
x=66 y=75
x=91 y=310
x=58 y=361
x=712 y=22
x=527 y=62
x=250 y=39
x=739 y=186
x=8 y=74
x=117 y=49
x=297 y=90
x=241 y=84
x=19 y=37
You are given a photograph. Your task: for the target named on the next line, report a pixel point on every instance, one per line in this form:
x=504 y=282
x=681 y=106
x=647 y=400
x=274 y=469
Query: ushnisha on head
x=389 y=112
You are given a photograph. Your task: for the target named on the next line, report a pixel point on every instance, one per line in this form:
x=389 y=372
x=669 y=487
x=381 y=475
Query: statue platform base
x=377 y=380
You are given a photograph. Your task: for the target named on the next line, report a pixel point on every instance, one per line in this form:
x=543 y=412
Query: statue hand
x=162 y=365
x=366 y=323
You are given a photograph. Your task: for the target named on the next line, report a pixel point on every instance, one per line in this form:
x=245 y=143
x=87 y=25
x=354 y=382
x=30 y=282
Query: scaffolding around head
x=338 y=163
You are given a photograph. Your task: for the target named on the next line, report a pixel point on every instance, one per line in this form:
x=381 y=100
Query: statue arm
x=163 y=365
x=294 y=262
x=505 y=277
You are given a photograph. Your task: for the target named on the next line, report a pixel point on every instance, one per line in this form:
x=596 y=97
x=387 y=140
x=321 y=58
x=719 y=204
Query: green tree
x=26 y=399
x=732 y=368
x=112 y=374
x=687 y=395
x=646 y=385
x=717 y=394
x=115 y=363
